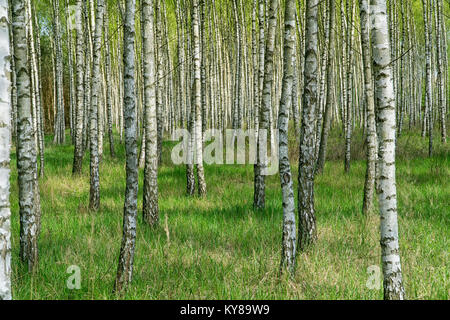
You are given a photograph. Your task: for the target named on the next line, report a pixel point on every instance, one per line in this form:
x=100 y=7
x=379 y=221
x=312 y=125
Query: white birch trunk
x=371 y=135
x=79 y=119
x=289 y=226
x=307 y=219
x=386 y=188
x=150 y=204
x=5 y=146
x=29 y=201
x=126 y=258
x=94 y=198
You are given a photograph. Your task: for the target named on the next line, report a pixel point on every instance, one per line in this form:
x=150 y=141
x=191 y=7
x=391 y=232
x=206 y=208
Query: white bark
x=29 y=198
x=386 y=123
x=370 y=105
x=150 y=204
x=126 y=258
x=5 y=146
x=307 y=219
x=94 y=199
x=59 y=101
x=259 y=198
x=289 y=227
x=79 y=119
x=198 y=101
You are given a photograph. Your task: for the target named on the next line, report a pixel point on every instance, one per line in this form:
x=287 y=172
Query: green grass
x=219 y=248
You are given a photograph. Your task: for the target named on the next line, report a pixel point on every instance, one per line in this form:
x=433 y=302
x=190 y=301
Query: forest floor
x=220 y=248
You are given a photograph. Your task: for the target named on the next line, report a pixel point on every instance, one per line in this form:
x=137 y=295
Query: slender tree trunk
x=125 y=269
x=203 y=62
x=41 y=127
x=256 y=90
x=5 y=146
x=94 y=198
x=87 y=77
x=150 y=205
x=13 y=78
x=198 y=101
x=181 y=65
x=440 y=69
x=36 y=85
x=321 y=101
x=72 y=94
x=330 y=91
x=401 y=80
x=371 y=136
x=348 y=126
x=307 y=219
x=259 y=198
x=80 y=64
x=428 y=88
x=29 y=198
x=160 y=78
x=190 y=176
x=60 y=117
x=289 y=226
x=295 y=113
x=386 y=188
x=109 y=85
x=237 y=80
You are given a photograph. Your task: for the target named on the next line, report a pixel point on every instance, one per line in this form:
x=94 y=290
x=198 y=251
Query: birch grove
x=138 y=93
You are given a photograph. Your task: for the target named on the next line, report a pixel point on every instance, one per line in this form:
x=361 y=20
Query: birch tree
x=72 y=94
x=330 y=90
x=289 y=227
x=255 y=66
x=259 y=199
x=237 y=121
x=79 y=119
x=307 y=219
x=440 y=52
x=34 y=54
x=371 y=135
x=109 y=93
x=150 y=204
x=59 y=137
x=94 y=198
x=29 y=198
x=386 y=123
x=126 y=258
x=198 y=101
x=428 y=116
x=160 y=77
x=87 y=75
x=5 y=146
x=349 y=103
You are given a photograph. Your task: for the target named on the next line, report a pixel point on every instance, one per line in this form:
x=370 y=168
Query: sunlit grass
x=219 y=248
